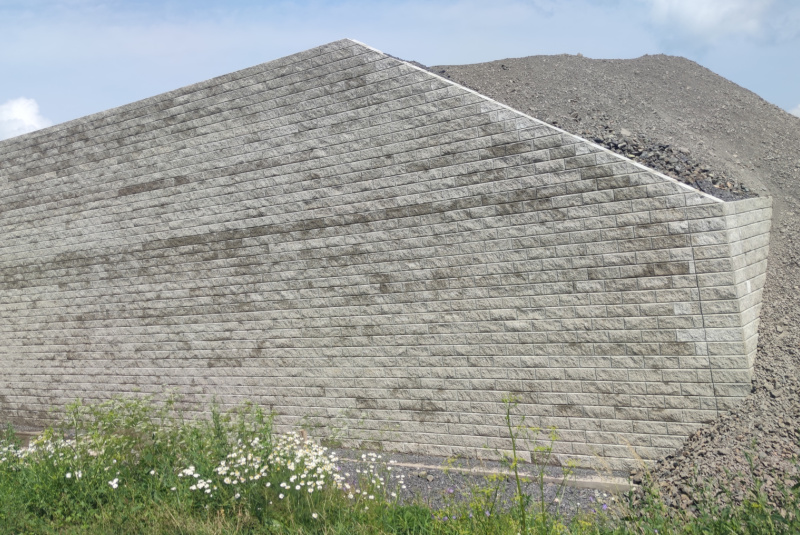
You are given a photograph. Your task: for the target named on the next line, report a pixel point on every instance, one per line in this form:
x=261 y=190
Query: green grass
x=130 y=466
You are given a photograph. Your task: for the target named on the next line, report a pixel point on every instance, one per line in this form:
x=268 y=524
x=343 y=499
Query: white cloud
x=709 y=20
x=19 y=116
x=796 y=110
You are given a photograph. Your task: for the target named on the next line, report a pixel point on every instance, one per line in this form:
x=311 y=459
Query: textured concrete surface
x=373 y=252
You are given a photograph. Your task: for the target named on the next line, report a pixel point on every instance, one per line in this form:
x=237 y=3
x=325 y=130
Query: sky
x=64 y=59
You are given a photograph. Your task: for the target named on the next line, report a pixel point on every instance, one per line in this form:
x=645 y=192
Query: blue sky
x=63 y=59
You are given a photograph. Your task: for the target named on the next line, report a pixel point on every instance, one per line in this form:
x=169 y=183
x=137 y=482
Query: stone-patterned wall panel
x=357 y=243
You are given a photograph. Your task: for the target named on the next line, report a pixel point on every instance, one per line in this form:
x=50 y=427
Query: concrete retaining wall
x=362 y=245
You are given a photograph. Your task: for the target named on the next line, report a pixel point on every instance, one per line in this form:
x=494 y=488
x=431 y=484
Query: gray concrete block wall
x=749 y=238
x=364 y=246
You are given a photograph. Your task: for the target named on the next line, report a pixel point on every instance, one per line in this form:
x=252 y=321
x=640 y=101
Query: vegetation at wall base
x=131 y=466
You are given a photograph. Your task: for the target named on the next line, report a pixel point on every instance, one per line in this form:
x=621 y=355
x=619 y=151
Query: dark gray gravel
x=439 y=482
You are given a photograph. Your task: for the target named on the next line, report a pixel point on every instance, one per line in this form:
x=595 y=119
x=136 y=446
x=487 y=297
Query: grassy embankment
x=132 y=467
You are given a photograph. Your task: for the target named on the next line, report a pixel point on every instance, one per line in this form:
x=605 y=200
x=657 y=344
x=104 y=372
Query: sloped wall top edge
x=554 y=128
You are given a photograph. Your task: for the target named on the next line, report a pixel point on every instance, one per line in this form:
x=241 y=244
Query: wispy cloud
x=20 y=116
x=795 y=111
x=707 y=21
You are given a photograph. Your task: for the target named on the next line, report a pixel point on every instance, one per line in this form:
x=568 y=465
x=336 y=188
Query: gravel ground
x=438 y=482
x=682 y=119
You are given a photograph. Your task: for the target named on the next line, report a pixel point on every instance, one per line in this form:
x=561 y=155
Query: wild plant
x=131 y=466
x=546 y=515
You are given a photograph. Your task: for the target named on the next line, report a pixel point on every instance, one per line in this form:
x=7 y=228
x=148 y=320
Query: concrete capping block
x=705 y=211
x=751 y=204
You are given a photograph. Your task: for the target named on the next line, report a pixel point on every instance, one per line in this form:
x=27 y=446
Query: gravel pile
x=679 y=118
x=675 y=162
